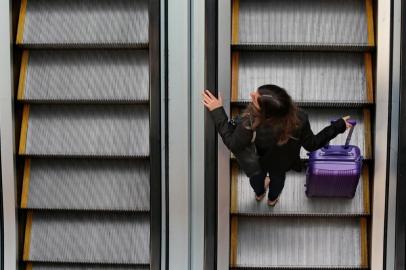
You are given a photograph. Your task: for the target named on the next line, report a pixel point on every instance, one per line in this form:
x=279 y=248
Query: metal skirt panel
x=89 y=238
x=86 y=22
x=73 y=130
x=299 y=242
x=88 y=184
x=308 y=77
x=342 y=22
x=293 y=200
x=87 y=76
x=320 y=118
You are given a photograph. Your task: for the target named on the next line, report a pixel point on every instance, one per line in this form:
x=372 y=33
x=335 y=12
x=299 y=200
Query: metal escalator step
x=306 y=23
x=319 y=118
x=288 y=242
x=87 y=76
x=39 y=266
x=79 y=23
x=293 y=200
x=87 y=238
x=340 y=78
x=85 y=130
x=86 y=184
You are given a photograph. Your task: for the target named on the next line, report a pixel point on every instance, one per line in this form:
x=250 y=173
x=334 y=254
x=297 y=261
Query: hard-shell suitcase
x=334 y=170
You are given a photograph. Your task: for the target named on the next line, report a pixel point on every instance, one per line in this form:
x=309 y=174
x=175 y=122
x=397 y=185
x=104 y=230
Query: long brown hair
x=277 y=110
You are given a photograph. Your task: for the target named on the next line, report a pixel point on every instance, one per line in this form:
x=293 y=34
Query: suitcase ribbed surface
x=321 y=52
x=85 y=134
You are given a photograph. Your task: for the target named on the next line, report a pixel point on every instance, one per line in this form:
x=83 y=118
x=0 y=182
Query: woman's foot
x=266 y=185
x=272 y=203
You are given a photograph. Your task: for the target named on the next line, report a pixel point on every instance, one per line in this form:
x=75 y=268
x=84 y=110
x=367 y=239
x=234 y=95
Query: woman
x=281 y=130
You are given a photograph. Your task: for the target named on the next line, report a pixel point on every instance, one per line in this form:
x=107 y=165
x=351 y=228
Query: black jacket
x=281 y=157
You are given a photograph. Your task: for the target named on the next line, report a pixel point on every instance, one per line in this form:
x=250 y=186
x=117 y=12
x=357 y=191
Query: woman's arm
x=313 y=142
x=236 y=140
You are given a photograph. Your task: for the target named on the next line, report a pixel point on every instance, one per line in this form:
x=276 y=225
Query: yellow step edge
x=234 y=188
x=235 y=59
x=364 y=243
x=370 y=22
x=23 y=75
x=21 y=22
x=235 y=21
x=26 y=183
x=369 y=79
x=24 y=129
x=29 y=266
x=27 y=238
x=233 y=241
x=367 y=133
x=365 y=183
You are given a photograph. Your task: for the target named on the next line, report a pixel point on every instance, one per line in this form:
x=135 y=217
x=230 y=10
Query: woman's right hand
x=346 y=118
x=210 y=101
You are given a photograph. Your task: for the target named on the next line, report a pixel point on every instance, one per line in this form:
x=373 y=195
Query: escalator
x=89 y=87
x=322 y=53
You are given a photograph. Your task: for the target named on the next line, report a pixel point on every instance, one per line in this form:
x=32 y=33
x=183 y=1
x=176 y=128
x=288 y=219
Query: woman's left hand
x=210 y=101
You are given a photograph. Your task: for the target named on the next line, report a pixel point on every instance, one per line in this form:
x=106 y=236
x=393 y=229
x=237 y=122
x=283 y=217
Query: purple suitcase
x=334 y=170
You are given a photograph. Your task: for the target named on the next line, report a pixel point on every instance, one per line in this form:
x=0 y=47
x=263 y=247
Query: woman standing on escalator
x=281 y=129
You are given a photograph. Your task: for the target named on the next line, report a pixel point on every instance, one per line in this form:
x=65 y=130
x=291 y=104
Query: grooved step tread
x=85 y=131
x=73 y=76
x=86 y=184
x=78 y=23
x=305 y=23
x=293 y=200
x=292 y=242
x=87 y=238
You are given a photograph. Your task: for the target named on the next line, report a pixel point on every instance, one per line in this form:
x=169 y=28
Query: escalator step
x=78 y=23
x=86 y=184
x=85 y=130
x=87 y=238
x=308 y=77
x=39 y=266
x=305 y=23
x=87 y=76
x=292 y=242
x=294 y=202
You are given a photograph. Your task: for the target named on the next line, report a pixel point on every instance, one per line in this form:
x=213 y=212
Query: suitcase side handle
x=349 y=136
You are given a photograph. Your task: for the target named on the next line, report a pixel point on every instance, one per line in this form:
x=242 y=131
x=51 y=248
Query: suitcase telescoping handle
x=347 y=141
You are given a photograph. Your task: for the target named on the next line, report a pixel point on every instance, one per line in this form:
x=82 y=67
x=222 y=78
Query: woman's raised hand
x=210 y=101
x=346 y=118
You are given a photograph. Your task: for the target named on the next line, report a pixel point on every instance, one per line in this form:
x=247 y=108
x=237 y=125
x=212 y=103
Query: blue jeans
x=275 y=187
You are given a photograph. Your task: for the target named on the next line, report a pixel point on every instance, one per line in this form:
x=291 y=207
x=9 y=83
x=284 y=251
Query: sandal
x=273 y=203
